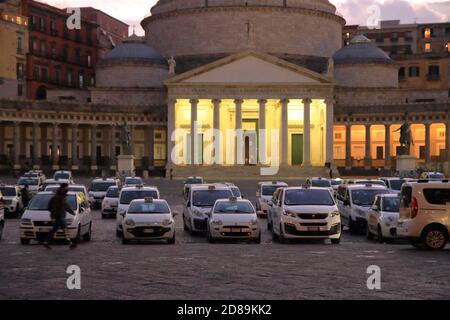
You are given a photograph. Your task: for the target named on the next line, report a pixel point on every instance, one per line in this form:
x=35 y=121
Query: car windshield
x=101 y=186
x=437 y=176
x=374 y=182
x=112 y=193
x=397 y=184
x=52 y=188
x=308 y=197
x=391 y=204
x=207 y=198
x=336 y=182
x=270 y=190
x=133 y=181
x=365 y=197
x=40 y=202
x=236 y=192
x=194 y=181
x=61 y=176
x=128 y=196
x=8 y=191
x=28 y=181
x=234 y=208
x=149 y=208
x=321 y=183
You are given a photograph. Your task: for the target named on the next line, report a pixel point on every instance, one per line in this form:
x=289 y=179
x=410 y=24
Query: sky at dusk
x=354 y=11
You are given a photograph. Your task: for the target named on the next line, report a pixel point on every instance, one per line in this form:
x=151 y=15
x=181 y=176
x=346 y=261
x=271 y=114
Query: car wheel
x=258 y=240
x=281 y=238
x=210 y=238
x=434 y=238
x=336 y=241
x=269 y=226
x=172 y=240
x=24 y=241
x=380 y=237
x=369 y=234
x=185 y=227
x=87 y=237
x=119 y=233
x=1 y=230
x=125 y=241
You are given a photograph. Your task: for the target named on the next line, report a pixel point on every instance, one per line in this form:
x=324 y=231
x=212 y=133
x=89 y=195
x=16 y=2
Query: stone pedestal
x=125 y=164
x=406 y=164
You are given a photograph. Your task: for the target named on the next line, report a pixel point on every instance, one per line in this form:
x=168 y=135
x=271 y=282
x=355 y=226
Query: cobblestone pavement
x=194 y=269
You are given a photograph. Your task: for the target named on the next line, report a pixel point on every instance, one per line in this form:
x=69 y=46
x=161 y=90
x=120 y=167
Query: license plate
x=236 y=230
x=43 y=230
x=149 y=231
x=313 y=228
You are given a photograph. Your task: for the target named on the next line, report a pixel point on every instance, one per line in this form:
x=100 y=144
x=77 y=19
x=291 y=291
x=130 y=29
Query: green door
x=297 y=149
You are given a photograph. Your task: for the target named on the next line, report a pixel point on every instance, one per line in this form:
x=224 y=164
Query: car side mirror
x=375 y=208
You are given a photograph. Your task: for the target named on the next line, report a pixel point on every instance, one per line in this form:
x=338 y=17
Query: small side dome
x=363 y=64
x=361 y=50
x=134 y=50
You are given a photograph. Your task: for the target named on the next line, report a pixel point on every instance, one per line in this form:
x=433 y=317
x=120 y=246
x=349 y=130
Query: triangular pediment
x=250 y=67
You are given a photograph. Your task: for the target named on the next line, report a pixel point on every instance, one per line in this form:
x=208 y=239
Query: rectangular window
x=401 y=73
x=427 y=47
x=44 y=74
x=53 y=49
x=437 y=196
x=19 y=45
x=19 y=70
x=89 y=60
x=69 y=78
x=20 y=90
x=414 y=72
x=65 y=53
x=78 y=55
x=427 y=33
x=42 y=24
x=433 y=70
x=43 y=51
x=36 y=73
x=34 y=46
x=53 y=27
x=81 y=81
x=57 y=76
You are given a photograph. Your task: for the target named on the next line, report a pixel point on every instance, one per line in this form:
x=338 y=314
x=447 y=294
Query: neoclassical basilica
x=230 y=87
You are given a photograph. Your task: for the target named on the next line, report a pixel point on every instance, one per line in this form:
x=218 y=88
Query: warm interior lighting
x=427 y=33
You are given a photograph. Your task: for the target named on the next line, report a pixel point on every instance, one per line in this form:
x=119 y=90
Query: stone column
x=55 y=165
x=150 y=146
x=330 y=131
x=64 y=141
x=368 y=156
x=284 y=132
x=262 y=149
x=112 y=147
x=239 y=133
x=447 y=138
x=348 y=146
x=307 y=132
x=427 y=143
x=94 y=147
x=74 y=147
x=171 y=105
x=35 y=155
x=387 y=146
x=217 y=133
x=16 y=146
x=194 y=131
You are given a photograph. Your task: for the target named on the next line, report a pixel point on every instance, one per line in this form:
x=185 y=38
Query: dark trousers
x=58 y=224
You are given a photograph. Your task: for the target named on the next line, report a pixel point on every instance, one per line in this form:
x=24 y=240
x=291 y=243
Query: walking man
x=25 y=195
x=58 y=207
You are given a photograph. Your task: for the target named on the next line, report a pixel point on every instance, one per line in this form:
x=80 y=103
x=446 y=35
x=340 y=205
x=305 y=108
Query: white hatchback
x=148 y=219
x=129 y=194
x=110 y=202
x=12 y=200
x=36 y=222
x=306 y=213
x=383 y=216
x=233 y=219
x=264 y=195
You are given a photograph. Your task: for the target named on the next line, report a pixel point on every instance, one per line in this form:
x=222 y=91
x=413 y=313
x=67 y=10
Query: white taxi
x=12 y=200
x=110 y=202
x=264 y=195
x=233 y=219
x=148 y=219
x=200 y=200
x=129 y=194
x=383 y=216
x=306 y=213
x=98 y=188
x=36 y=222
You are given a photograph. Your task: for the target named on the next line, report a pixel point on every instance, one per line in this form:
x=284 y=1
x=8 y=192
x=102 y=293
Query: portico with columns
x=250 y=110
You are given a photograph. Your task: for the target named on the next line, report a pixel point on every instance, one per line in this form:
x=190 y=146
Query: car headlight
x=167 y=222
x=129 y=222
x=335 y=214
x=198 y=213
x=26 y=222
x=217 y=222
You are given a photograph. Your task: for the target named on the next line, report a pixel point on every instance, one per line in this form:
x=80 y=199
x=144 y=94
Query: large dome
x=214 y=27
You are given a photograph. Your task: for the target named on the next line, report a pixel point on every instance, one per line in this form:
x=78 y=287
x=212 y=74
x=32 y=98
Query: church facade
x=231 y=87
